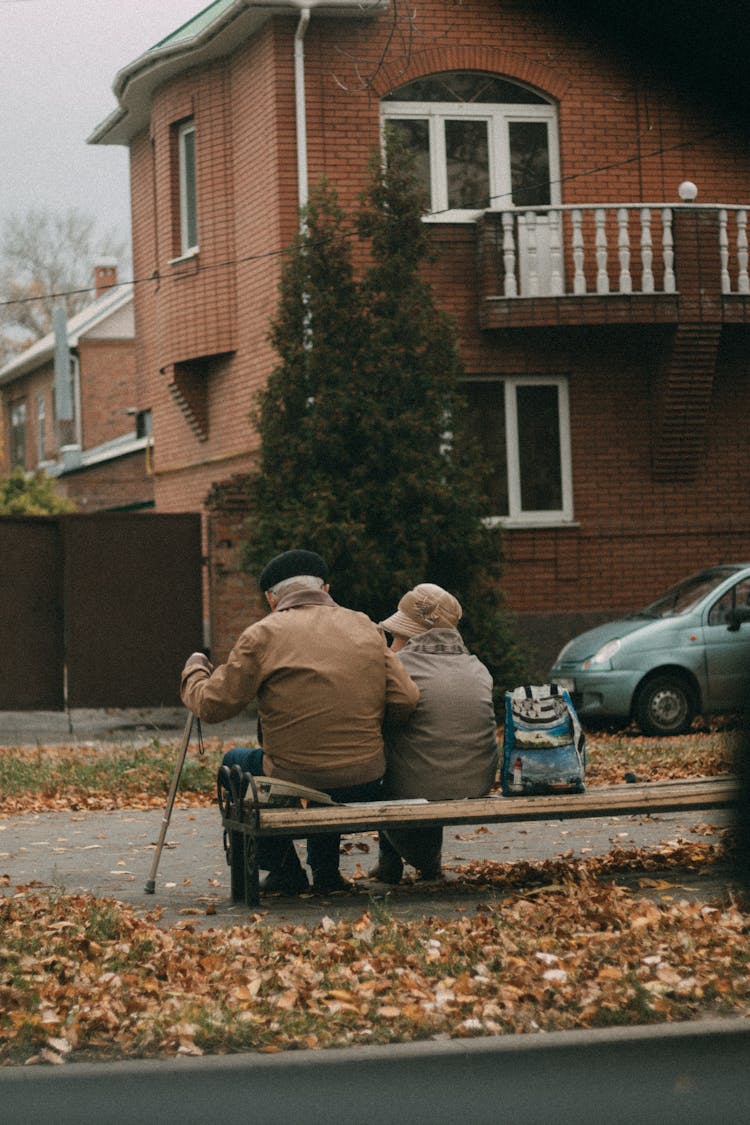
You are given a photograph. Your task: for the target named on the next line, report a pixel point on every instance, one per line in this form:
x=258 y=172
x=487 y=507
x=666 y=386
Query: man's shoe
x=386 y=872
x=285 y=883
x=431 y=875
x=330 y=884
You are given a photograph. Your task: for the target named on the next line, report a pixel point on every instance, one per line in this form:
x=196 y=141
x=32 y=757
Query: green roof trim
x=195 y=25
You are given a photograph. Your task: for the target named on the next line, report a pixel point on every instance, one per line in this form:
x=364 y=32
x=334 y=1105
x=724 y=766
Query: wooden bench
x=246 y=819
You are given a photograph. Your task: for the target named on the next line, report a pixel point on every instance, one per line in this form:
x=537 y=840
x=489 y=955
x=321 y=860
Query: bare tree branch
x=44 y=253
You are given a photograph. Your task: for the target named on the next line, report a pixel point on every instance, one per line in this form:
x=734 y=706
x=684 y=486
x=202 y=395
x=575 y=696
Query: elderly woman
x=448 y=748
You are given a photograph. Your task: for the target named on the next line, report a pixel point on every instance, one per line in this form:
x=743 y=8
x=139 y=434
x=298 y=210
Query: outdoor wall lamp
x=687 y=191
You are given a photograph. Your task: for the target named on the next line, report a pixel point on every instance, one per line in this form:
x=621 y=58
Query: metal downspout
x=300 y=109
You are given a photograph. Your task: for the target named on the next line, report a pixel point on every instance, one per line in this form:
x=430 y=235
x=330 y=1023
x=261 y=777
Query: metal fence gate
x=98 y=610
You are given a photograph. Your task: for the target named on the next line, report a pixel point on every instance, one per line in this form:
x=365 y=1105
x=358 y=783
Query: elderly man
x=325 y=681
x=448 y=748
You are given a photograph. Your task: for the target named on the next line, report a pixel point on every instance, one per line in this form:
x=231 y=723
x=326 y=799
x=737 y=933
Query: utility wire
x=156 y=276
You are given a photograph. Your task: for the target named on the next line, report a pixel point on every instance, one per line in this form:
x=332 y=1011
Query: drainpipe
x=299 y=99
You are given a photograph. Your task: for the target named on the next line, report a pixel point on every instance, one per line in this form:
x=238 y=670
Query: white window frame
x=498 y=118
x=18 y=421
x=41 y=421
x=187 y=170
x=516 y=516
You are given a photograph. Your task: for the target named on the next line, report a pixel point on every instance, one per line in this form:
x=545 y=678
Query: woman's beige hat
x=425 y=607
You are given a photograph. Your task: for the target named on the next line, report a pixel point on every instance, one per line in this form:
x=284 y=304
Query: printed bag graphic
x=544 y=747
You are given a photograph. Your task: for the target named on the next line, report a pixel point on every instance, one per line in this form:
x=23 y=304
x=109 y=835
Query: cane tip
x=150 y=887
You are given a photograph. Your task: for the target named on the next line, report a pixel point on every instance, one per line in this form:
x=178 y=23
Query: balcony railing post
x=724 y=251
x=623 y=249
x=532 y=256
x=667 y=239
x=602 y=277
x=579 y=277
x=700 y=265
x=647 y=252
x=743 y=283
x=555 y=254
x=509 y=255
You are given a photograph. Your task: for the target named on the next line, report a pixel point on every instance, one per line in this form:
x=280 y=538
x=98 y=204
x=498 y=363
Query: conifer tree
x=364 y=454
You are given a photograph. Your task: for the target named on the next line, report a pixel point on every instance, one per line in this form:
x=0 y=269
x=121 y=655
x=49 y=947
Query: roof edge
x=212 y=38
x=43 y=349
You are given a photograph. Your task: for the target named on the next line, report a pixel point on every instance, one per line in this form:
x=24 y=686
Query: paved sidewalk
x=134 y=725
x=110 y=854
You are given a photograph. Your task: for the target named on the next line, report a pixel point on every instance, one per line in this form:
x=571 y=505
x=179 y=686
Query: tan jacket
x=324 y=680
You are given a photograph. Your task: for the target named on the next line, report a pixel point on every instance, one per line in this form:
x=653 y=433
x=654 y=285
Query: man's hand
x=198 y=660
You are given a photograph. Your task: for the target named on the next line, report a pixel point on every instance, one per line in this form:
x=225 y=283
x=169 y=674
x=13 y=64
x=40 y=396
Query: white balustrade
x=543 y=246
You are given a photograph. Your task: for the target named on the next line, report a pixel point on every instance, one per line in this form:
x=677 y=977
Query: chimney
x=105 y=275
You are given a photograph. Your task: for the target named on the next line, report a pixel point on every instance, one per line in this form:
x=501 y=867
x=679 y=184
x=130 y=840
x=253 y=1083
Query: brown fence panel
x=31 y=615
x=132 y=606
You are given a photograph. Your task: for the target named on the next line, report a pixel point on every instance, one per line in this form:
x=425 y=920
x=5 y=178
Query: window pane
x=415 y=134
x=188 y=190
x=529 y=163
x=18 y=435
x=456 y=86
x=40 y=427
x=468 y=164
x=486 y=421
x=538 y=423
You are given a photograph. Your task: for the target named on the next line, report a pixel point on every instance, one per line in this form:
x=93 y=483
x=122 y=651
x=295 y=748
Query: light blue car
x=686 y=654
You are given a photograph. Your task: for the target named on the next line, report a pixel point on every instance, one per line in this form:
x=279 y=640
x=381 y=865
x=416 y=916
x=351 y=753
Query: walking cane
x=151 y=883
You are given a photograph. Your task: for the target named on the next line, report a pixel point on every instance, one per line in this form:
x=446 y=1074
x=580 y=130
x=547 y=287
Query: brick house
x=96 y=445
x=602 y=307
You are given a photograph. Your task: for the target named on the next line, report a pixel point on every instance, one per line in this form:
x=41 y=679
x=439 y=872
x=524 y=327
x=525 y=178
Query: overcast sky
x=59 y=60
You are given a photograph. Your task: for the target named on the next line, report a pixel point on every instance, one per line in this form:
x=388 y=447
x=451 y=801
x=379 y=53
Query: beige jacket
x=448 y=748
x=324 y=680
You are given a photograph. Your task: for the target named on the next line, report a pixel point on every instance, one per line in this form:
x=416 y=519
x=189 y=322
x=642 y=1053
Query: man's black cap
x=290 y=565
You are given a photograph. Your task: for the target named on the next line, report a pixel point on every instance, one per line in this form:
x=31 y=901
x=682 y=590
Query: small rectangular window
x=188 y=192
x=18 y=435
x=539 y=465
x=486 y=417
x=522 y=430
x=467 y=158
x=529 y=163
x=414 y=133
x=143 y=424
x=41 y=411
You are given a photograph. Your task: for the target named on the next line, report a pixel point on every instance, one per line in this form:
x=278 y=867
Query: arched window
x=481 y=142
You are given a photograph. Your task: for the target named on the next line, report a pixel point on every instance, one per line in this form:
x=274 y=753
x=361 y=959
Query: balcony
x=594 y=264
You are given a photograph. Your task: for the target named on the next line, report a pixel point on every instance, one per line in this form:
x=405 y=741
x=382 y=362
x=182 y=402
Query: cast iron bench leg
x=251 y=877
x=237 y=865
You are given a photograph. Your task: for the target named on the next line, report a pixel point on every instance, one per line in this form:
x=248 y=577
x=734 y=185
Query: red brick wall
x=27 y=389
x=624 y=137
x=235 y=599
x=123 y=482
x=108 y=389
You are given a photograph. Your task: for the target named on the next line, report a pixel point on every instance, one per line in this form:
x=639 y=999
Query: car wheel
x=664 y=705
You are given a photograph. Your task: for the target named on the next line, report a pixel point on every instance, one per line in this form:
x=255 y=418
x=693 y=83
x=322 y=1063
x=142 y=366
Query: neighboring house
x=603 y=311
x=84 y=429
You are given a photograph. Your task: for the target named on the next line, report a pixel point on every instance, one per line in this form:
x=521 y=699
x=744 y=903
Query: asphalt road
x=685 y=1074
